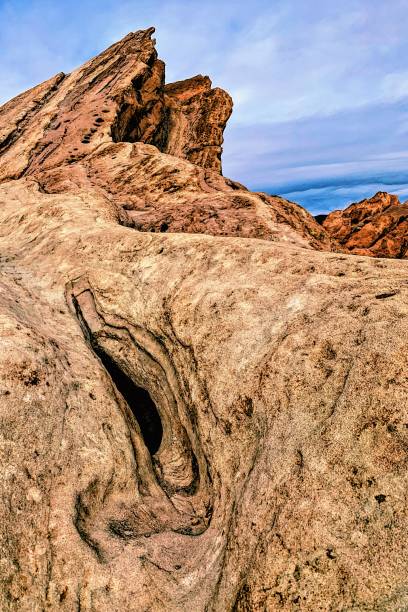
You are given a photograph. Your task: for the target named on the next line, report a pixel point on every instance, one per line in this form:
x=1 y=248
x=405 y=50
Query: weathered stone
x=377 y=227
x=187 y=422
x=195 y=119
x=77 y=131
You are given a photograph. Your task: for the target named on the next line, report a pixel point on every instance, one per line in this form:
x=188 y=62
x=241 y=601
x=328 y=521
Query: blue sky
x=320 y=88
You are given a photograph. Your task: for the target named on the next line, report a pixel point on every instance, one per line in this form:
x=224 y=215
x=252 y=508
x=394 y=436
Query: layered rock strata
x=377 y=227
x=188 y=422
x=103 y=126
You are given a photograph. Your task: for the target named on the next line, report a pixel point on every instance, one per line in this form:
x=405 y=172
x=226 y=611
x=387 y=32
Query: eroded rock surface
x=377 y=227
x=121 y=95
x=77 y=131
x=195 y=118
x=188 y=422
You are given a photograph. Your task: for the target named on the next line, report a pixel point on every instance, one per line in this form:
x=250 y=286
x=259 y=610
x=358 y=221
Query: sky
x=320 y=88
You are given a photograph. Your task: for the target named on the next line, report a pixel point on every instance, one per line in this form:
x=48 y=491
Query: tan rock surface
x=190 y=422
x=377 y=227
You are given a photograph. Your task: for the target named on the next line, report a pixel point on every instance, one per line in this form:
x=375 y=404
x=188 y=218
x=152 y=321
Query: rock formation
x=377 y=227
x=188 y=422
x=70 y=132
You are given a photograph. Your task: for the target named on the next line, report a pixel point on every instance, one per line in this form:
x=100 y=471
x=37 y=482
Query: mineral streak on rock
x=377 y=227
x=187 y=422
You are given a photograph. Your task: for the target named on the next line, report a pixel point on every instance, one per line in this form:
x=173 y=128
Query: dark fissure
x=138 y=400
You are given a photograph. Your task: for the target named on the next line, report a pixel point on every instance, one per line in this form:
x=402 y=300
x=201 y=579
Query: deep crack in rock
x=138 y=400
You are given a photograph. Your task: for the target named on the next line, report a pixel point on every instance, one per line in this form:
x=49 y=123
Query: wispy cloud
x=325 y=199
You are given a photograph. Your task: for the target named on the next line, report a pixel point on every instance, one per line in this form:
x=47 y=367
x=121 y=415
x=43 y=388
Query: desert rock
x=200 y=422
x=377 y=227
x=78 y=131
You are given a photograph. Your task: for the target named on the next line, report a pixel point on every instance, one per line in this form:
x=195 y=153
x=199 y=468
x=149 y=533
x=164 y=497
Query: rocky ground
x=203 y=395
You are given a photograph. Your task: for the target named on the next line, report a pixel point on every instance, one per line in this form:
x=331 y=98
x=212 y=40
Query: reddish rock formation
x=121 y=95
x=195 y=118
x=377 y=227
x=73 y=129
x=187 y=422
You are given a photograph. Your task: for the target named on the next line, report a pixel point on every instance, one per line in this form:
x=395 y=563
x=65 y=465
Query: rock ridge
x=377 y=227
x=105 y=125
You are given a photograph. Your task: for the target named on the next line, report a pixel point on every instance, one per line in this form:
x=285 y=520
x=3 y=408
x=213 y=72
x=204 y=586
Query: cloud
x=395 y=85
x=323 y=200
x=359 y=146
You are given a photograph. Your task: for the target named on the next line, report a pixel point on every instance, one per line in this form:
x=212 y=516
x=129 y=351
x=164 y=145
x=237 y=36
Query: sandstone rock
x=77 y=131
x=188 y=422
x=195 y=119
x=377 y=227
x=119 y=96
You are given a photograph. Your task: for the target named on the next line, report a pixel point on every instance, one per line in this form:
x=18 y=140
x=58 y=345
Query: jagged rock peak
x=96 y=127
x=377 y=226
x=120 y=95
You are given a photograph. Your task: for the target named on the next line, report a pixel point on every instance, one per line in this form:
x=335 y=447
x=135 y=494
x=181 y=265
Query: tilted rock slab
x=188 y=422
x=77 y=131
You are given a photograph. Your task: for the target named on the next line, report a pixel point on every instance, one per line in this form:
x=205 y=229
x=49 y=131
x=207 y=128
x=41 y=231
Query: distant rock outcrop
x=187 y=422
x=377 y=227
